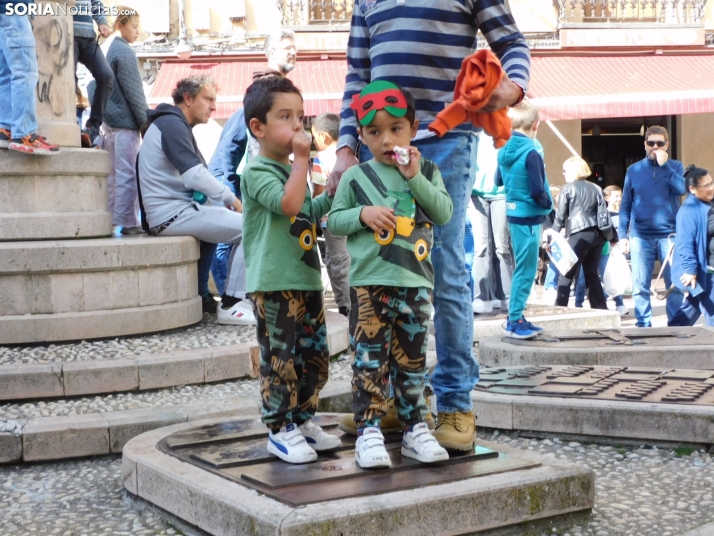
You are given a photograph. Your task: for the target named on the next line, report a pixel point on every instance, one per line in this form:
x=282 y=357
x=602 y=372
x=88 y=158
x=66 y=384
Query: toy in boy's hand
x=401 y=155
x=301 y=144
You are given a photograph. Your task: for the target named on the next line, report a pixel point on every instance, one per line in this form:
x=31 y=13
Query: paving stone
x=43 y=381
x=10 y=448
x=166 y=371
x=100 y=377
x=222 y=363
x=65 y=437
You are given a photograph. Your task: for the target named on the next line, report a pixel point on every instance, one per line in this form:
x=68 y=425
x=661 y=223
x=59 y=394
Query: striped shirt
x=419 y=45
x=88 y=12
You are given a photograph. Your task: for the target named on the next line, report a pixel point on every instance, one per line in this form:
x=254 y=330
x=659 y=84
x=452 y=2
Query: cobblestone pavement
x=205 y=334
x=640 y=492
x=172 y=396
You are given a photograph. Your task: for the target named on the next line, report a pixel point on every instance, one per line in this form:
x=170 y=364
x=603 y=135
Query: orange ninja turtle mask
x=379 y=95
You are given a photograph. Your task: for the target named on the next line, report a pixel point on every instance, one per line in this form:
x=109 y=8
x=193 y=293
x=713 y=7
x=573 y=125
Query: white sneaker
x=370 y=451
x=549 y=296
x=241 y=314
x=422 y=446
x=622 y=309
x=480 y=306
x=317 y=438
x=290 y=446
x=500 y=304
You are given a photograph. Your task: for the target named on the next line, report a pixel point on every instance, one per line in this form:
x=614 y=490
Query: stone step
x=57 y=197
x=147 y=371
x=89 y=289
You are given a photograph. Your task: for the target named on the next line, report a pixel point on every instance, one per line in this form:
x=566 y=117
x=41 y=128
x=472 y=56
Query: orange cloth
x=480 y=74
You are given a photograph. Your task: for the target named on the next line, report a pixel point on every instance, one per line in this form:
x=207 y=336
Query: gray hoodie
x=171 y=168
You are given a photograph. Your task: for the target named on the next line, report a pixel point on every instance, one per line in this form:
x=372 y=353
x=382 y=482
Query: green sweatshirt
x=280 y=251
x=402 y=258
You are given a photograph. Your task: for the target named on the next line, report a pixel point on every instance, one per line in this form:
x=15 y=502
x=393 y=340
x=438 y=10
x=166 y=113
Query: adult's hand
x=104 y=30
x=506 y=93
x=662 y=156
x=236 y=205
x=689 y=280
x=345 y=159
x=624 y=245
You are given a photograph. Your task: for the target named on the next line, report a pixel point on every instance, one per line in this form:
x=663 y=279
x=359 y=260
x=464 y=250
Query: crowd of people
x=391 y=198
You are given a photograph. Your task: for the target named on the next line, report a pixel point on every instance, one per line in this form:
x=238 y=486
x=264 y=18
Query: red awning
x=321 y=82
x=591 y=87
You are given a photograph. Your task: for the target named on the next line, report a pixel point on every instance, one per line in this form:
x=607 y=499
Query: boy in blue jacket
x=528 y=202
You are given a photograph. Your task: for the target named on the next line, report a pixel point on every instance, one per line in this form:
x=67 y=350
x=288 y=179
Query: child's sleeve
x=129 y=80
x=344 y=216
x=265 y=187
x=321 y=205
x=536 y=179
x=428 y=189
x=316 y=174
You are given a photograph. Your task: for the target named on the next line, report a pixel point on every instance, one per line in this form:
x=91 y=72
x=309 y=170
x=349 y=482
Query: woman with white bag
x=577 y=211
x=694 y=250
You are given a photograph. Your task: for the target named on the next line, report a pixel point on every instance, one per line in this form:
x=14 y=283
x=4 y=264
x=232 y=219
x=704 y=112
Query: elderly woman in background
x=577 y=212
x=694 y=250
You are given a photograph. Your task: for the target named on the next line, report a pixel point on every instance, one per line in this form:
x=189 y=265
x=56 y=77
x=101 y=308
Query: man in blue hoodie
x=648 y=213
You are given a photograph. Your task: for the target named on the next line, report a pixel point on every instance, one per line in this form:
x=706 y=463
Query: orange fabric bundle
x=480 y=74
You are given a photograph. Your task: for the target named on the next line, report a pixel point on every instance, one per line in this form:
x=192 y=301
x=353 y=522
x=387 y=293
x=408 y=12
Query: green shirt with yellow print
x=280 y=251
x=401 y=258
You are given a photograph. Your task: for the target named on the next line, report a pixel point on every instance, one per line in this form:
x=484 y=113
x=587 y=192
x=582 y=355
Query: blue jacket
x=528 y=198
x=691 y=246
x=232 y=144
x=650 y=199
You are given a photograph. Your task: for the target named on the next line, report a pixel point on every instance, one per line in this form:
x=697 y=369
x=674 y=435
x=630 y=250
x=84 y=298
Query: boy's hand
x=236 y=205
x=301 y=145
x=104 y=30
x=412 y=168
x=379 y=219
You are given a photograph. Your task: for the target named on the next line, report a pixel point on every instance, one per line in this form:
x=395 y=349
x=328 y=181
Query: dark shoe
x=5 y=138
x=209 y=303
x=343 y=311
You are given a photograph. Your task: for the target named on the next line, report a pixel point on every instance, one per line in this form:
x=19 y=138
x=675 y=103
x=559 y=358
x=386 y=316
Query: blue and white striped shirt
x=419 y=45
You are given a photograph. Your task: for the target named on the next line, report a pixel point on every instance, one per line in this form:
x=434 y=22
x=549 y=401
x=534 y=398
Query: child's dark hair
x=411 y=108
x=329 y=123
x=260 y=95
x=693 y=175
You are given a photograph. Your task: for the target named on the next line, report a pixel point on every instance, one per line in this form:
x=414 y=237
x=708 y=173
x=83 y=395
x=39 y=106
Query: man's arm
x=359 y=68
x=625 y=208
x=674 y=175
x=100 y=19
x=505 y=39
x=231 y=148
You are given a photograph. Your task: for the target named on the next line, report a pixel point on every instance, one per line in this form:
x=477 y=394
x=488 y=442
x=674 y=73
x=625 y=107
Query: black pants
x=88 y=53
x=587 y=245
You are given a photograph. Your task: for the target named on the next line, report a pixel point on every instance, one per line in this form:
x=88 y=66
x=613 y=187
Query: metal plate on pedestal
x=589 y=338
x=236 y=450
x=640 y=384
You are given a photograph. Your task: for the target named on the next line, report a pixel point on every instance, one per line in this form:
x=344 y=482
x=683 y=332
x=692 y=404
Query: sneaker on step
x=317 y=438
x=456 y=430
x=519 y=329
x=531 y=325
x=5 y=138
x=389 y=423
x=500 y=304
x=240 y=314
x=480 y=306
x=549 y=296
x=419 y=444
x=290 y=446
x=130 y=231
x=369 y=449
x=622 y=309
x=34 y=145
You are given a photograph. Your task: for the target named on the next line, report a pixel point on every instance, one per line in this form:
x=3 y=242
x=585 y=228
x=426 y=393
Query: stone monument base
x=218 y=476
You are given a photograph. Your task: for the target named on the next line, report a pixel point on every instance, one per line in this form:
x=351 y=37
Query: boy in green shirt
x=387 y=210
x=283 y=271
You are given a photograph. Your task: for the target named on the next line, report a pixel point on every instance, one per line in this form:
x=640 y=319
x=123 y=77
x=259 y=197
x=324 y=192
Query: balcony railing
x=678 y=12
x=311 y=12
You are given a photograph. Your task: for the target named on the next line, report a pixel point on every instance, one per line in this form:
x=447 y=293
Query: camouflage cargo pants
x=294 y=358
x=388 y=337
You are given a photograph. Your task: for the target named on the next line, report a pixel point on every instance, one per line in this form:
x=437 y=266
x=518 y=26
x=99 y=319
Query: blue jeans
x=580 y=286
x=18 y=76
x=469 y=253
x=643 y=253
x=203 y=267
x=457 y=370
x=693 y=307
x=551 y=277
x=219 y=264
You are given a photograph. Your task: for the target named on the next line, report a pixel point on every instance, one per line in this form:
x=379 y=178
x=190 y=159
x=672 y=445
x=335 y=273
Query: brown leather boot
x=390 y=423
x=456 y=431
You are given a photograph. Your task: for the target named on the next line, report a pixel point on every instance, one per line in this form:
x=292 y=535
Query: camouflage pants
x=388 y=337
x=294 y=358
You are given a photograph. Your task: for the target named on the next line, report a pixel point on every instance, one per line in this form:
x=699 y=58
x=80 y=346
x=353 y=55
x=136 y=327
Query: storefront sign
x=307 y=41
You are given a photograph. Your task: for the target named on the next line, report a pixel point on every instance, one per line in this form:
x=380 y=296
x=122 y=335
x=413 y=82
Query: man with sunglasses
x=648 y=212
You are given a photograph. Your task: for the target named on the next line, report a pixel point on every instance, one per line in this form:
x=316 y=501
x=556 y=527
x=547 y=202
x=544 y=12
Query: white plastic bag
x=561 y=254
x=617 y=279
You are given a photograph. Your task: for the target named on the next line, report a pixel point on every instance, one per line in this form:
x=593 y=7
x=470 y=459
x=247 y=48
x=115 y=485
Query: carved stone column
x=56 y=101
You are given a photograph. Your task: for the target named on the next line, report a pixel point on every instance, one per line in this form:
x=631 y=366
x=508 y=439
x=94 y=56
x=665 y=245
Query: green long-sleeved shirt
x=280 y=251
x=403 y=257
